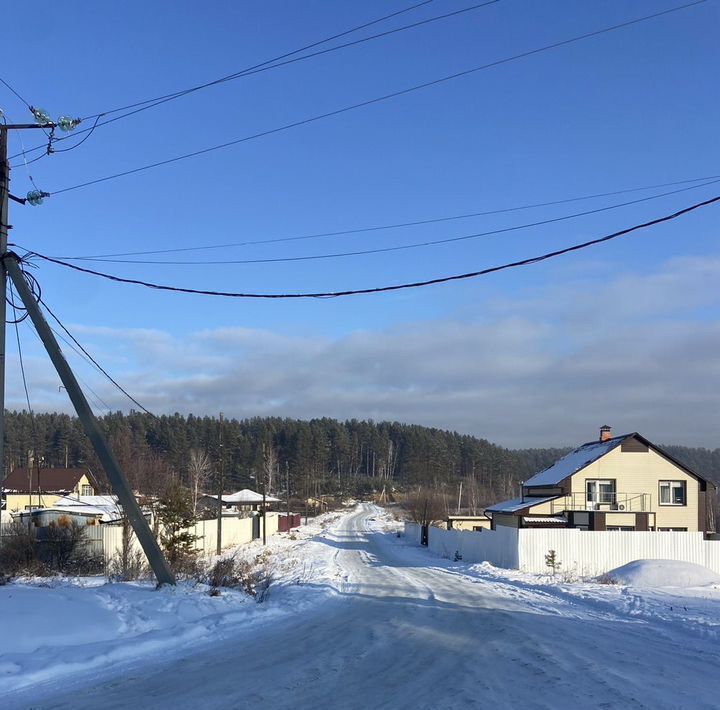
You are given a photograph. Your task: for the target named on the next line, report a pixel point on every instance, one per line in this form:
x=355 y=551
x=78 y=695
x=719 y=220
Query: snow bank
x=663 y=573
x=55 y=627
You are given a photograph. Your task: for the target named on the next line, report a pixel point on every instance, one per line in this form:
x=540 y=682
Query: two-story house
x=26 y=488
x=616 y=483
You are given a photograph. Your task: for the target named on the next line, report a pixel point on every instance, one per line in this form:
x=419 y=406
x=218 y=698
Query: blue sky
x=634 y=107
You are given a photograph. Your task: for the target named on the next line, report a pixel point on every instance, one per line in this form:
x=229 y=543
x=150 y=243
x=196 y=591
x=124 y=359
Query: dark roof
x=586 y=454
x=574 y=461
x=52 y=480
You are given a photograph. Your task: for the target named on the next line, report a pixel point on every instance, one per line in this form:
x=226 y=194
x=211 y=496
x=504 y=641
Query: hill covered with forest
x=319 y=455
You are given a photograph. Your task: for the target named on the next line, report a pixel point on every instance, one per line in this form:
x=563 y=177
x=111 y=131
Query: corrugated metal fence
x=106 y=540
x=581 y=553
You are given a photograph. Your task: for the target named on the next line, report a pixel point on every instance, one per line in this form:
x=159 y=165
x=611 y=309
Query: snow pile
x=52 y=627
x=663 y=573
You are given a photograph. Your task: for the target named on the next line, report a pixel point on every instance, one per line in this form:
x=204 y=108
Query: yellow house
x=616 y=483
x=475 y=523
x=26 y=488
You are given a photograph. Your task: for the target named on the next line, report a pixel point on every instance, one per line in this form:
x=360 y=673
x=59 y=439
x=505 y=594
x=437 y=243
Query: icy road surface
x=387 y=625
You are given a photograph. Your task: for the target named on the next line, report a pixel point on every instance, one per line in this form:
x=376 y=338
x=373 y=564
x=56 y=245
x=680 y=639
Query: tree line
x=319 y=456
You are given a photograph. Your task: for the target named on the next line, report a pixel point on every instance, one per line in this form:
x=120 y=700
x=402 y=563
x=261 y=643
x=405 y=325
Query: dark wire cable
x=93 y=360
x=99 y=402
x=276 y=63
x=79 y=143
x=22 y=364
x=381 y=289
x=228 y=77
x=397 y=225
x=5 y=83
x=401 y=247
x=378 y=99
x=262 y=66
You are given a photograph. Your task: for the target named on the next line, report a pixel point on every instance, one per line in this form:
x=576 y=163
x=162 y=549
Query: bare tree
x=199 y=474
x=270 y=464
x=425 y=506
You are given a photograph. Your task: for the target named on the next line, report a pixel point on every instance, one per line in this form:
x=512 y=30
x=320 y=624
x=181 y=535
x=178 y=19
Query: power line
x=269 y=64
x=20 y=356
x=184 y=92
x=380 y=99
x=6 y=84
x=276 y=63
x=93 y=360
x=99 y=402
x=402 y=247
x=381 y=289
x=397 y=225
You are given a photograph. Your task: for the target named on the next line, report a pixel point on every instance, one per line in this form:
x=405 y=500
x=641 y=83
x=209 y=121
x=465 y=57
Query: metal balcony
x=607 y=502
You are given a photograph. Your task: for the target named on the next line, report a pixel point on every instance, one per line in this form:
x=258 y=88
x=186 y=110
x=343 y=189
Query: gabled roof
x=52 y=480
x=575 y=461
x=588 y=453
x=515 y=504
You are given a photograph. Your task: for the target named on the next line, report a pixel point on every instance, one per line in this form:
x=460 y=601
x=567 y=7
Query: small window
x=672 y=529
x=86 y=490
x=621 y=528
x=673 y=493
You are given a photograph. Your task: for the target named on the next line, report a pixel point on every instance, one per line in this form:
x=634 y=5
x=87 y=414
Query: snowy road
x=399 y=628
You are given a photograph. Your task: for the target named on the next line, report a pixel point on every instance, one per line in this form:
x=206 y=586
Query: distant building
x=616 y=483
x=32 y=488
x=468 y=522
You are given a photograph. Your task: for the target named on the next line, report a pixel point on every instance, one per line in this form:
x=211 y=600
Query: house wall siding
x=641 y=472
x=20 y=501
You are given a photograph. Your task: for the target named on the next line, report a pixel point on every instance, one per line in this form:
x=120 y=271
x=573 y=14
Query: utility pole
x=4 y=228
x=4 y=195
x=92 y=427
x=264 y=519
x=9 y=268
x=287 y=483
x=221 y=485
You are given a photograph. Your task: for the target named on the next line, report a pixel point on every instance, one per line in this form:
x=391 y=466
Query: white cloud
x=637 y=352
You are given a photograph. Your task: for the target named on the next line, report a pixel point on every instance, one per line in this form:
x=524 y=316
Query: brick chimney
x=605 y=433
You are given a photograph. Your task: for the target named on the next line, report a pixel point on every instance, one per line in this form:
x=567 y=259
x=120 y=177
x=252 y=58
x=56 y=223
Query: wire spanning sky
x=620 y=335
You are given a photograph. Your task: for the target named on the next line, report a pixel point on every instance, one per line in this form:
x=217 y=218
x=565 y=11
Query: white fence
x=584 y=553
x=589 y=554
x=235 y=531
x=106 y=540
x=499 y=547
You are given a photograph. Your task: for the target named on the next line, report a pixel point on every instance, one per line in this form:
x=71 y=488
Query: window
x=599 y=492
x=672 y=529
x=86 y=490
x=621 y=528
x=672 y=493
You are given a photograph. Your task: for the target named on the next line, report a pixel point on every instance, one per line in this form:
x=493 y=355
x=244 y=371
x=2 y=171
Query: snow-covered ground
x=358 y=618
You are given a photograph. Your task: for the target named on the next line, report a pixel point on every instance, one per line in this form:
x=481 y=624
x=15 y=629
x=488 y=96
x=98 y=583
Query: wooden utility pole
x=4 y=228
x=9 y=267
x=221 y=485
x=109 y=463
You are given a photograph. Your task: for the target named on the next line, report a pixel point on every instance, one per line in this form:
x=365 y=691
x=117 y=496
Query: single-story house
x=468 y=522
x=615 y=483
x=30 y=488
x=240 y=500
x=107 y=507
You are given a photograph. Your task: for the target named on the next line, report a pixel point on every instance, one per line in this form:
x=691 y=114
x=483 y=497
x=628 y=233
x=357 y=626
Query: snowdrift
x=663 y=573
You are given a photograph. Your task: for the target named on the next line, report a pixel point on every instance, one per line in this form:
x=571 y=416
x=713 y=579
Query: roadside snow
x=56 y=626
x=359 y=617
x=663 y=573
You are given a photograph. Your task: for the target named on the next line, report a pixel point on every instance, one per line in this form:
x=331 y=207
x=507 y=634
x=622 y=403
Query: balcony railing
x=608 y=502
